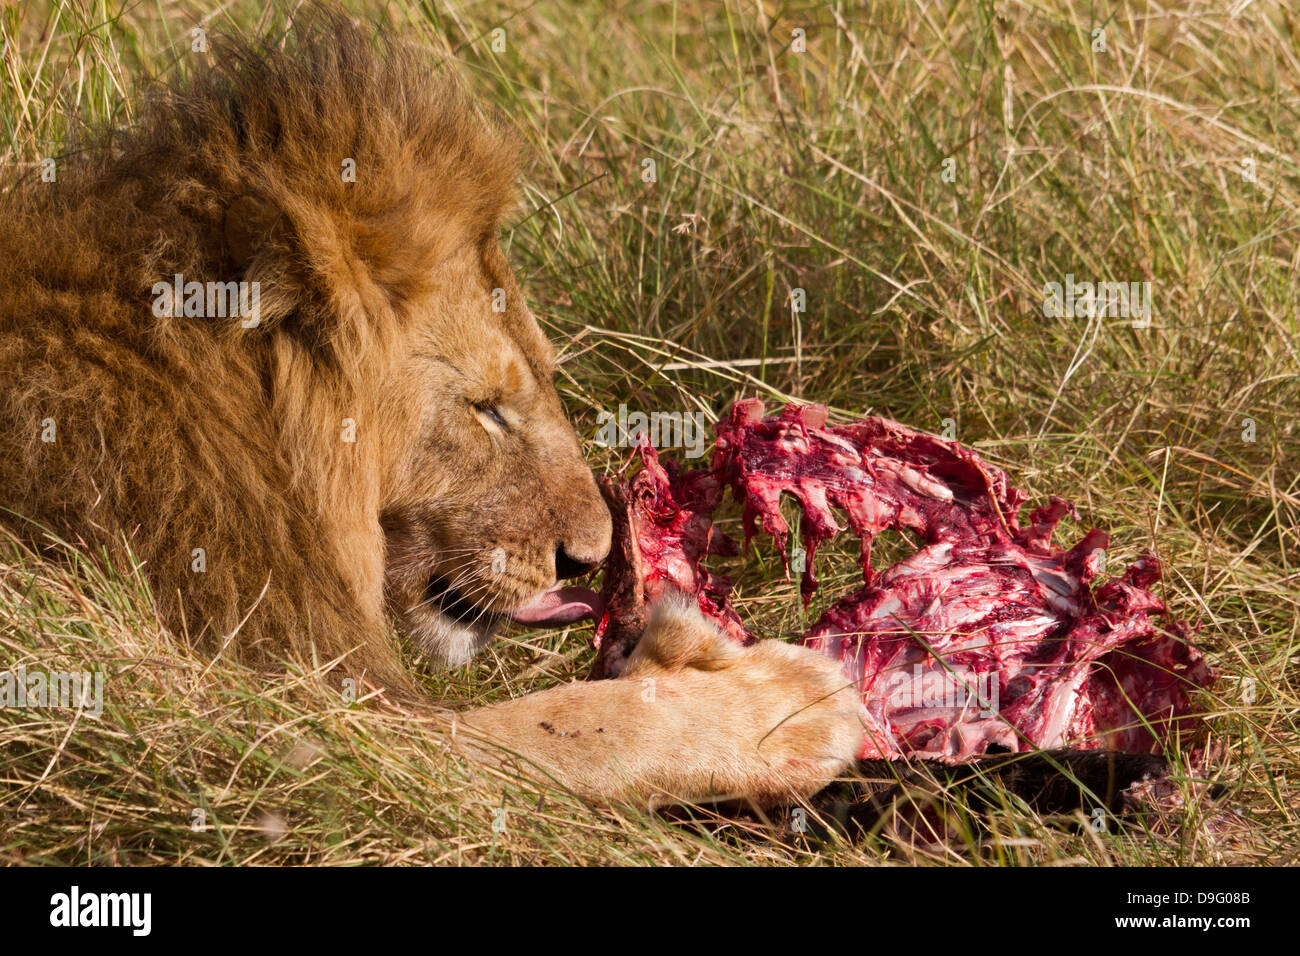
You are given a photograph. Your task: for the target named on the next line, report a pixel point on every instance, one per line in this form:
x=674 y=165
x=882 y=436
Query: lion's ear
x=254 y=227
x=250 y=223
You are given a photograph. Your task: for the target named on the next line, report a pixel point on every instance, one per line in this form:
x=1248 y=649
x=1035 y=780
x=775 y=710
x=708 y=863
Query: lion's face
x=489 y=503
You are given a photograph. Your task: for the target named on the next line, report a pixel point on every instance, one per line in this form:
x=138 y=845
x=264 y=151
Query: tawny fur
x=380 y=308
x=180 y=433
x=694 y=716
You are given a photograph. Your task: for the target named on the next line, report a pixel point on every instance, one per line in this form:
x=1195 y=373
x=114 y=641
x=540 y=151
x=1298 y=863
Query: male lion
x=362 y=439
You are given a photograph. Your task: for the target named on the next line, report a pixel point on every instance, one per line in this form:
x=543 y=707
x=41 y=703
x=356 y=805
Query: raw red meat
x=987 y=639
x=663 y=528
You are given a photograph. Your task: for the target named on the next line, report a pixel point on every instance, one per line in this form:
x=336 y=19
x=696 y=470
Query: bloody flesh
x=987 y=639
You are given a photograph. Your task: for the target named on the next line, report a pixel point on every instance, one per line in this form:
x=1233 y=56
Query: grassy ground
x=1170 y=157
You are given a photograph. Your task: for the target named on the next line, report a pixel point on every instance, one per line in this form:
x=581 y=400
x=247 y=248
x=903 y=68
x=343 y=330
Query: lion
x=266 y=342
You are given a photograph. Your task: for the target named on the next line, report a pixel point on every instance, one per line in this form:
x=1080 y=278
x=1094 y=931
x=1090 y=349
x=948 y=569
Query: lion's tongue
x=560 y=605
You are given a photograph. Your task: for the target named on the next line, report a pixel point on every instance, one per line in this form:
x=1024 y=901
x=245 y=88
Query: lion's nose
x=585 y=530
x=568 y=567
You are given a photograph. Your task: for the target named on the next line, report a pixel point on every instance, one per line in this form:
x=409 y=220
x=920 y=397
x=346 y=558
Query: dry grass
x=777 y=170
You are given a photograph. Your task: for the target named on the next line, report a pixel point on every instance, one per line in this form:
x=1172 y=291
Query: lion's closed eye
x=492 y=416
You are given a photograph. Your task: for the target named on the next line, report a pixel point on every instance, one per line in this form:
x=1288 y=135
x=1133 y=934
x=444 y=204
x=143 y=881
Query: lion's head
x=377 y=437
x=489 y=501
x=483 y=496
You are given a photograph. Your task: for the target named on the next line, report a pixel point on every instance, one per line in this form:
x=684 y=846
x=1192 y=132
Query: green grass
x=776 y=170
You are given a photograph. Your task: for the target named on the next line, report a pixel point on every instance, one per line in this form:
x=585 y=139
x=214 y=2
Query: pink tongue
x=559 y=606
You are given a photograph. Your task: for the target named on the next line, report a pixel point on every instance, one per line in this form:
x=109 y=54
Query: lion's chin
x=442 y=624
x=446 y=639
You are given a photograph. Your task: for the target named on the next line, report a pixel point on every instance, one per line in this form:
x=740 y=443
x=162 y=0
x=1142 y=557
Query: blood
x=987 y=639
